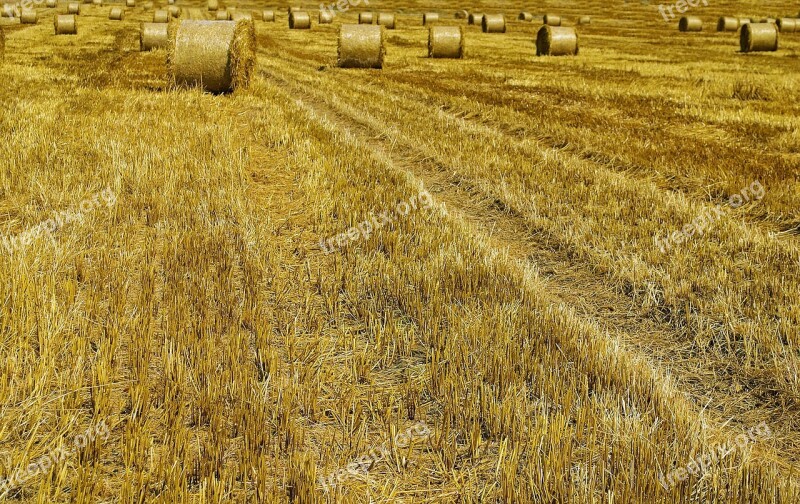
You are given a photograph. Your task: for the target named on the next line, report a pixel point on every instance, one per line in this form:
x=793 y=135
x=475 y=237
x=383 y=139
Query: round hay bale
x=446 y=42
x=525 y=16
x=217 y=56
x=756 y=37
x=787 y=25
x=97 y=2
x=242 y=16
x=50 y=4
x=584 y=20
x=690 y=24
x=744 y=21
x=74 y=8
x=556 y=41
x=28 y=16
x=8 y=11
x=493 y=23
x=769 y=20
x=222 y=15
x=387 y=19
x=65 y=24
x=361 y=46
x=213 y=5
x=552 y=20
x=365 y=18
x=116 y=14
x=430 y=17
x=148 y=6
x=727 y=24
x=325 y=17
x=161 y=16
x=462 y=14
x=299 y=20
x=268 y=16
x=475 y=19
x=153 y=36
x=174 y=11
x=171 y=2
x=293 y=9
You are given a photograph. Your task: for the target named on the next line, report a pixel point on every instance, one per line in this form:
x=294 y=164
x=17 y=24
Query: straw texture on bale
x=462 y=14
x=28 y=16
x=268 y=16
x=218 y=56
x=787 y=25
x=116 y=14
x=584 y=20
x=744 y=21
x=525 y=16
x=727 y=24
x=174 y=11
x=222 y=15
x=242 y=16
x=161 y=16
x=430 y=17
x=148 y=6
x=171 y=2
x=65 y=24
x=299 y=20
x=493 y=23
x=7 y=11
x=768 y=20
x=74 y=8
x=365 y=18
x=293 y=9
x=552 y=20
x=325 y=17
x=690 y=24
x=153 y=36
x=361 y=46
x=475 y=19
x=387 y=19
x=213 y=5
x=50 y=4
x=446 y=42
x=756 y=37
x=97 y=2
x=556 y=41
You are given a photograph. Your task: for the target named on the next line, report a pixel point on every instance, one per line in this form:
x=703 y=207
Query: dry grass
x=528 y=318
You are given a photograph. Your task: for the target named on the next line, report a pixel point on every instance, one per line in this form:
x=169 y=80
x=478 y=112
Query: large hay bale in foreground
x=493 y=23
x=365 y=18
x=217 y=56
x=446 y=42
x=268 y=16
x=788 y=25
x=430 y=17
x=28 y=16
x=690 y=24
x=525 y=16
x=213 y=5
x=161 y=16
x=726 y=23
x=153 y=36
x=556 y=41
x=65 y=24
x=462 y=14
x=325 y=17
x=475 y=18
x=74 y=8
x=361 y=46
x=116 y=14
x=758 y=37
x=299 y=20
x=387 y=19
x=552 y=20
x=584 y=20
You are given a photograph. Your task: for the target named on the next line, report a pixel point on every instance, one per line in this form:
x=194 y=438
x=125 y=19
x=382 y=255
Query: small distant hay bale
x=769 y=20
x=690 y=24
x=28 y=16
x=325 y=17
x=475 y=19
x=299 y=20
x=116 y=14
x=361 y=46
x=552 y=20
x=387 y=19
x=213 y=5
x=242 y=16
x=130 y=3
x=744 y=21
x=161 y=16
x=788 y=25
x=74 y=8
x=171 y=2
x=65 y=24
x=758 y=37
x=51 y=4
x=462 y=14
x=148 y=6
x=223 y=15
x=174 y=11
x=97 y=2
x=153 y=36
x=727 y=23
x=556 y=41
x=493 y=23
x=430 y=17
x=8 y=11
x=217 y=56
x=446 y=42
x=293 y=9
x=268 y=16
x=365 y=18
x=584 y=20
x=525 y=16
